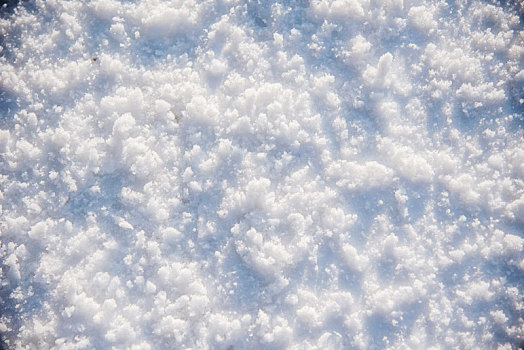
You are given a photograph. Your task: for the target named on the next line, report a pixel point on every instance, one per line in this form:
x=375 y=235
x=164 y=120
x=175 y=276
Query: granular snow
x=234 y=174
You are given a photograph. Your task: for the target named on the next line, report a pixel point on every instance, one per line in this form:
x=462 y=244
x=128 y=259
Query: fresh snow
x=233 y=174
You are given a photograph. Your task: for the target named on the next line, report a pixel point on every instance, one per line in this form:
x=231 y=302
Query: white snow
x=324 y=174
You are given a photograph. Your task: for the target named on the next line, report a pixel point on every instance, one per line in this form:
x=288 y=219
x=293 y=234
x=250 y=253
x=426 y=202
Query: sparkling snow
x=235 y=174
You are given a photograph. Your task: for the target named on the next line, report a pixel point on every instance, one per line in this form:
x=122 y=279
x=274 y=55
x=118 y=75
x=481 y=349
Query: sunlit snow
x=234 y=174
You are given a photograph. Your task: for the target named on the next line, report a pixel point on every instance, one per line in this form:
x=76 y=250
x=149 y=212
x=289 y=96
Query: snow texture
x=233 y=174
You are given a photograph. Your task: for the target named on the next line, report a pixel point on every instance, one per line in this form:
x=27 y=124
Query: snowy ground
x=237 y=174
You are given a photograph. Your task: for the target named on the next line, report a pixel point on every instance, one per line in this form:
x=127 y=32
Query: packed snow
x=234 y=174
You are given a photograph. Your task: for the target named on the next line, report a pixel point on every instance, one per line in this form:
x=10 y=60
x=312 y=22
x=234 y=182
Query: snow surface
x=235 y=174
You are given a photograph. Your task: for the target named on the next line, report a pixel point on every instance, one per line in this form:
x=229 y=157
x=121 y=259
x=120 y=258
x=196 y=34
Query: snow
x=325 y=174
